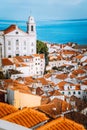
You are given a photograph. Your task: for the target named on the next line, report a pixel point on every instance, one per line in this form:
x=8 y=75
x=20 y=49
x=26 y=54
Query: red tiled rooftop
x=10 y=29
x=61 y=124
x=55 y=107
x=78 y=71
x=6 y=109
x=26 y=117
x=61 y=76
x=6 y=62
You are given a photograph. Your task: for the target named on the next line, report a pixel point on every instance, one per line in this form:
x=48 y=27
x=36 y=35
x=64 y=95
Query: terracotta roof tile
x=80 y=104
x=48 y=75
x=78 y=71
x=61 y=124
x=43 y=81
x=79 y=56
x=6 y=62
x=68 y=52
x=10 y=29
x=18 y=86
x=6 y=109
x=55 y=107
x=27 y=117
x=81 y=119
x=61 y=85
x=19 y=58
x=61 y=76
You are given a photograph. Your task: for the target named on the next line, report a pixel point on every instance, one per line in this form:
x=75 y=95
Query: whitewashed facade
x=16 y=42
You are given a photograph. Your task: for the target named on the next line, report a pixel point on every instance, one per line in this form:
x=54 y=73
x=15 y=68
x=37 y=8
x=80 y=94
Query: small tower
x=31 y=26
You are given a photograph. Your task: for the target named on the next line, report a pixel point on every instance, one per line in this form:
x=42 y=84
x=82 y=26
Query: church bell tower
x=31 y=26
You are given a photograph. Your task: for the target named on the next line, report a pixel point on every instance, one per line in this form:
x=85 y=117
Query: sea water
x=55 y=31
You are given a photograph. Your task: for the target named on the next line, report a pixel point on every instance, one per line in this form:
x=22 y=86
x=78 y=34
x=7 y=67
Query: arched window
x=32 y=28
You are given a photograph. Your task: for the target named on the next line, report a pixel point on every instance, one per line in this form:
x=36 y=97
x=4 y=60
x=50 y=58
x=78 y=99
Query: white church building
x=15 y=42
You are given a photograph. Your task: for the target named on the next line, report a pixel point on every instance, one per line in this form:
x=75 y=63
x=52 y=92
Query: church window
x=17 y=48
x=17 y=42
x=32 y=50
x=32 y=28
x=9 y=48
x=9 y=43
x=24 y=43
x=32 y=44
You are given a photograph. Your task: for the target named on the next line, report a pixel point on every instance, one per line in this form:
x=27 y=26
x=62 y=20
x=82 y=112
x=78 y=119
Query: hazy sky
x=43 y=9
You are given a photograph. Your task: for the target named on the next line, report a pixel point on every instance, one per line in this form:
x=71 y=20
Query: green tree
x=42 y=49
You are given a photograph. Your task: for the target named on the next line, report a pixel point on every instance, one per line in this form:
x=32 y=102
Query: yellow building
x=20 y=96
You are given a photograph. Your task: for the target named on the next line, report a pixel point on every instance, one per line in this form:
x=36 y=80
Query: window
x=9 y=56
x=79 y=92
x=32 y=28
x=9 y=48
x=9 y=43
x=32 y=44
x=16 y=32
x=17 y=54
x=62 y=92
x=69 y=93
x=17 y=42
x=32 y=50
x=17 y=48
x=24 y=43
x=74 y=92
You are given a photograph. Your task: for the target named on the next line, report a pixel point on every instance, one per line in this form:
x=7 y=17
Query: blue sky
x=43 y=9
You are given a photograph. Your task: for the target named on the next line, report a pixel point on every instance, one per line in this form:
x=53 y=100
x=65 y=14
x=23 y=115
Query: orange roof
x=27 y=117
x=41 y=56
x=78 y=71
x=48 y=75
x=10 y=29
x=61 y=85
x=29 y=80
x=61 y=124
x=55 y=107
x=72 y=76
x=6 y=62
x=43 y=81
x=36 y=55
x=6 y=109
x=85 y=82
x=68 y=52
x=61 y=76
x=56 y=93
x=19 y=58
x=79 y=56
x=21 y=87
